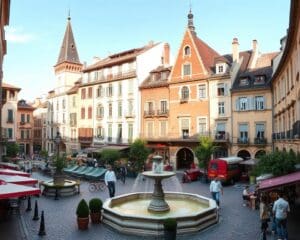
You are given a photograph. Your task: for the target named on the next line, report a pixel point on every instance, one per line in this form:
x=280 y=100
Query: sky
x=101 y=27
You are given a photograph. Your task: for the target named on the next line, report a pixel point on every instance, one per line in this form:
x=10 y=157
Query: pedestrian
x=264 y=216
x=123 y=173
x=110 y=181
x=246 y=196
x=215 y=189
x=280 y=209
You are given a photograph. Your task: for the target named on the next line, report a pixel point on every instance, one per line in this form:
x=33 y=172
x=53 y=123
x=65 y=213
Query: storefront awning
x=9 y=165
x=13 y=172
x=281 y=181
x=10 y=190
x=18 y=180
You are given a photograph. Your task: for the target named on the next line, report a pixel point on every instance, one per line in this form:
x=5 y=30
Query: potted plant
x=170 y=228
x=82 y=215
x=95 y=206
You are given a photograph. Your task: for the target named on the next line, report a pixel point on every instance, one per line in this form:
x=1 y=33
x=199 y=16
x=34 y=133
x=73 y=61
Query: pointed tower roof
x=191 y=22
x=68 y=50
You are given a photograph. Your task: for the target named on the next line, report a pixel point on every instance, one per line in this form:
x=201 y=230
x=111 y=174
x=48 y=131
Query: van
x=227 y=169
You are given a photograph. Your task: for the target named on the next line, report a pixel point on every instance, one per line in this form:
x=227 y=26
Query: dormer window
x=187 y=51
x=220 y=68
x=260 y=79
x=244 y=81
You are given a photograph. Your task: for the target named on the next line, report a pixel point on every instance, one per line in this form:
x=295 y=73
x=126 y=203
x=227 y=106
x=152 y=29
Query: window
x=243 y=133
x=260 y=130
x=90 y=92
x=244 y=82
x=82 y=113
x=130 y=86
x=221 y=89
x=74 y=101
x=150 y=129
x=185 y=126
x=109 y=92
x=83 y=93
x=220 y=131
x=187 y=69
x=187 y=51
x=260 y=79
x=10 y=133
x=64 y=103
x=100 y=91
x=119 y=137
x=109 y=132
x=90 y=113
x=259 y=103
x=130 y=107
x=63 y=118
x=185 y=93
x=120 y=89
x=202 y=91
x=221 y=108
x=100 y=132
x=242 y=104
x=57 y=105
x=163 y=128
x=100 y=111
x=110 y=110
x=28 y=118
x=22 y=134
x=220 y=69
x=163 y=107
x=150 y=107
x=10 y=115
x=130 y=132
x=119 y=109
x=202 y=126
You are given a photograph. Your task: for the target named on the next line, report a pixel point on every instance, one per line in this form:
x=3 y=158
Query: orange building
x=25 y=127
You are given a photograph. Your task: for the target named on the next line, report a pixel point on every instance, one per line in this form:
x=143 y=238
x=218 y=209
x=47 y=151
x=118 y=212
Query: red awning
x=18 y=180
x=13 y=172
x=9 y=165
x=279 y=181
x=10 y=190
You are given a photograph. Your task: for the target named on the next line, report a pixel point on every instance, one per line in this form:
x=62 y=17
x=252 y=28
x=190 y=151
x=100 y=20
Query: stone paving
x=236 y=221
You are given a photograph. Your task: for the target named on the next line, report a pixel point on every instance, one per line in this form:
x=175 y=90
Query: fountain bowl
x=128 y=213
x=67 y=188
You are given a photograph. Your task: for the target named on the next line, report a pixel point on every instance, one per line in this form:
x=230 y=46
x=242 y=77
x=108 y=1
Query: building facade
x=286 y=88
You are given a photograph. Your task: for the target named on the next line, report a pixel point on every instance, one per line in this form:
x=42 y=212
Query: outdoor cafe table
x=10 y=190
x=13 y=172
x=19 y=180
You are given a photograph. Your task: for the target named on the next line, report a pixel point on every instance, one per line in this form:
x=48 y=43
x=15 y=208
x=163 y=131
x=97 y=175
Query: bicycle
x=96 y=186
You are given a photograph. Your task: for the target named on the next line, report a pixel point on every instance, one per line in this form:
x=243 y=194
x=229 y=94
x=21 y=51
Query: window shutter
x=237 y=104
x=264 y=102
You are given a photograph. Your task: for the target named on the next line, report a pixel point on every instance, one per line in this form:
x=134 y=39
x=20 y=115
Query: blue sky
x=103 y=27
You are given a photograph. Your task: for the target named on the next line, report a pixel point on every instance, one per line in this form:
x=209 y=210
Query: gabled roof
x=6 y=85
x=25 y=106
x=68 y=50
x=206 y=53
x=149 y=82
x=118 y=58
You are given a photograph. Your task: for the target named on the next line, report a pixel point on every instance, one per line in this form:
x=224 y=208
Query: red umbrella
x=13 y=172
x=10 y=190
x=18 y=180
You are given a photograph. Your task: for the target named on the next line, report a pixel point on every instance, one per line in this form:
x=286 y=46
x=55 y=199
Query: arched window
x=100 y=111
x=187 y=51
x=185 y=93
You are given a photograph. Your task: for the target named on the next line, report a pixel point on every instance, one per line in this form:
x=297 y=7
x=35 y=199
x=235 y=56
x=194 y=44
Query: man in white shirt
x=280 y=209
x=216 y=188
x=110 y=180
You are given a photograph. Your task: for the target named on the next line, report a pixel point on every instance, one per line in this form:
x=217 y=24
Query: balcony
x=163 y=113
x=243 y=141
x=10 y=120
x=149 y=113
x=260 y=141
x=22 y=123
x=221 y=136
x=184 y=100
x=129 y=115
x=85 y=139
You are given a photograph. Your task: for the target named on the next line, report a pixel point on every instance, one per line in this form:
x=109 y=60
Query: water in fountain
x=144 y=184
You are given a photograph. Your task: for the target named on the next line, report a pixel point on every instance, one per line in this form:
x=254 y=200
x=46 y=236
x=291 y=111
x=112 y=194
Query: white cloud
x=17 y=35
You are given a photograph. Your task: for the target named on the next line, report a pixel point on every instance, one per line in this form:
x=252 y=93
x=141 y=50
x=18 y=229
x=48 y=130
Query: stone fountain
x=142 y=213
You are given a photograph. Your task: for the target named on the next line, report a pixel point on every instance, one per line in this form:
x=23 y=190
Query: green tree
x=44 y=153
x=138 y=154
x=109 y=156
x=204 y=151
x=12 y=149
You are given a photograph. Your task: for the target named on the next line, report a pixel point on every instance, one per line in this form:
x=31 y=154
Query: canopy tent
x=13 y=172
x=250 y=162
x=281 y=181
x=18 y=180
x=10 y=190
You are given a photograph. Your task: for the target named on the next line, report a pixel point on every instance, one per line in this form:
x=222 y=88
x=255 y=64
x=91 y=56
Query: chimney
x=235 y=50
x=254 y=45
x=166 y=55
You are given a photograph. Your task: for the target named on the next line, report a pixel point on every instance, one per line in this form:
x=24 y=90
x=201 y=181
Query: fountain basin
x=68 y=188
x=129 y=214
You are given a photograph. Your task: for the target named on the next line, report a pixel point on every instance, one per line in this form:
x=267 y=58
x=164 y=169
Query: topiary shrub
x=95 y=205
x=83 y=209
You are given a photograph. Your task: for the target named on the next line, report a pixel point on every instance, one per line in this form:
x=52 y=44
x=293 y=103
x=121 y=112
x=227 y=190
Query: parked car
x=227 y=169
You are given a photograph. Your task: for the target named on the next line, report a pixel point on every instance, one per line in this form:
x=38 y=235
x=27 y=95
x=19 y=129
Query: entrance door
x=184 y=158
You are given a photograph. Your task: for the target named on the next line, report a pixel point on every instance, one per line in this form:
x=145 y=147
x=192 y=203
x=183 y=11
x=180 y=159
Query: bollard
x=28 y=204
x=56 y=194
x=36 y=212
x=42 y=231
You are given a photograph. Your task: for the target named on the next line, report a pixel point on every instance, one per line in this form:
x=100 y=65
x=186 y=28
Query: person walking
x=264 y=216
x=123 y=173
x=280 y=209
x=110 y=181
x=215 y=189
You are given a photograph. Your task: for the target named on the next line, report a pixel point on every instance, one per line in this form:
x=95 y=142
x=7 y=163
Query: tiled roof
x=23 y=105
x=6 y=85
x=149 y=82
x=265 y=59
x=73 y=90
x=208 y=55
x=118 y=58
